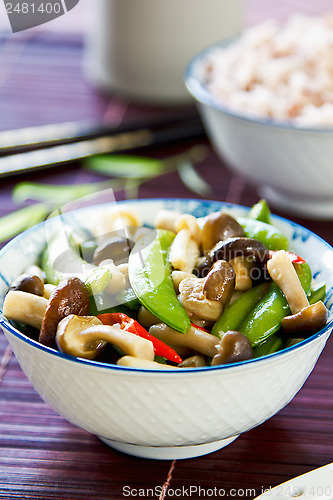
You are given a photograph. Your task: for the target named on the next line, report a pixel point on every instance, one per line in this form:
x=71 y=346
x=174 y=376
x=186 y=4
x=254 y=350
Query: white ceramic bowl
x=291 y=166
x=166 y=414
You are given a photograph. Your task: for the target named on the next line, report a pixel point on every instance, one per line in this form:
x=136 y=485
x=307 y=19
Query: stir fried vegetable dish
x=187 y=292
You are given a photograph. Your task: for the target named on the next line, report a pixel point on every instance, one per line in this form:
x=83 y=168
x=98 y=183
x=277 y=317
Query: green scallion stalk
x=20 y=220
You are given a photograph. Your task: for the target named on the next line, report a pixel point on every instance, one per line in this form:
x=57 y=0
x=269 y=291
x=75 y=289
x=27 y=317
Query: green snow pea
x=265 y=319
x=269 y=235
x=274 y=343
x=150 y=278
x=318 y=293
x=235 y=313
x=261 y=212
x=304 y=274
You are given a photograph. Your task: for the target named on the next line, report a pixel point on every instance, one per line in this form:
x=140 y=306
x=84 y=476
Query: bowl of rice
x=266 y=100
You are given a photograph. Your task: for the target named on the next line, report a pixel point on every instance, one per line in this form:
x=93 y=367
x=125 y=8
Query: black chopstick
x=31 y=138
x=49 y=157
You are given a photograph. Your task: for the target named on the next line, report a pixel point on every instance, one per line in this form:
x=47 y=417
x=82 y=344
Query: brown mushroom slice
x=29 y=283
x=220 y=282
x=308 y=320
x=86 y=343
x=25 y=308
x=68 y=337
x=219 y=226
x=70 y=297
x=195 y=361
x=251 y=249
x=233 y=347
x=116 y=248
x=34 y=270
x=240 y=247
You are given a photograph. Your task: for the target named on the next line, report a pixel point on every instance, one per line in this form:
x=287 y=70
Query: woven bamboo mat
x=44 y=457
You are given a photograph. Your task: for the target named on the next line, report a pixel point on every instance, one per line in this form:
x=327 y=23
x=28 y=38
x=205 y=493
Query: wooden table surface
x=42 y=456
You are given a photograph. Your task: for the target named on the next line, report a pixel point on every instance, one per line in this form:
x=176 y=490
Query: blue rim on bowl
x=8 y=326
x=196 y=87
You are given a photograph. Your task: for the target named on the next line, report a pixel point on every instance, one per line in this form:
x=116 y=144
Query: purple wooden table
x=44 y=457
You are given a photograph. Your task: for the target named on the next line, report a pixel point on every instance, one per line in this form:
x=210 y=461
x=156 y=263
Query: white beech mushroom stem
x=284 y=275
x=25 y=308
x=84 y=341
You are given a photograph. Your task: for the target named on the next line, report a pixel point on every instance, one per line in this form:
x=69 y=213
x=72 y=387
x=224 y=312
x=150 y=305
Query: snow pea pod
x=236 y=312
x=274 y=343
x=265 y=319
x=150 y=278
x=260 y=211
x=304 y=274
x=269 y=235
x=317 y=294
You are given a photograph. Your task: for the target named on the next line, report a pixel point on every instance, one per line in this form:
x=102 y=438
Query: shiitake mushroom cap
x=70 y=297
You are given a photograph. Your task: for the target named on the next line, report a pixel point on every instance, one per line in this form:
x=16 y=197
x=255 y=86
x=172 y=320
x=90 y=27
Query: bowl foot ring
x=168 y=452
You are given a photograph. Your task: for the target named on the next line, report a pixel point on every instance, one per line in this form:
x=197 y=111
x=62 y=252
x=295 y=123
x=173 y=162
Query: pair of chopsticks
x=52 y=145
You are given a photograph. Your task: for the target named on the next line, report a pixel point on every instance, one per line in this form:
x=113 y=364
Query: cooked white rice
x=282 y=72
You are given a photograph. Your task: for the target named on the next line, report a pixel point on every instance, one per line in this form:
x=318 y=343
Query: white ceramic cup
x=140 y=48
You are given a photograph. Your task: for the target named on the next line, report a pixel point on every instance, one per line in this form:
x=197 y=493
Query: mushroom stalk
x=184 y=251
x=188 y=221
x=284 y=275
x=48 y=290
x=195 y=338
x=84 y=342
x=304 y=317
x=25 y=308
x=242 y=267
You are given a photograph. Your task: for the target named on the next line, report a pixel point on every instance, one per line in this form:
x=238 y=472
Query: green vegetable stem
x=150 y=278
x=22 y=219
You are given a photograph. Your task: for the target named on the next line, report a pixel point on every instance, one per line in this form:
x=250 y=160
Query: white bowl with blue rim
x=291 y=166
x=175 y=413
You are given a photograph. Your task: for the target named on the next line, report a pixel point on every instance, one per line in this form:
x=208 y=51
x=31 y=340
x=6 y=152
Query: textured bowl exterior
x=172 y=408
x=167 y=409
x=287 y=163
x=294 y=161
